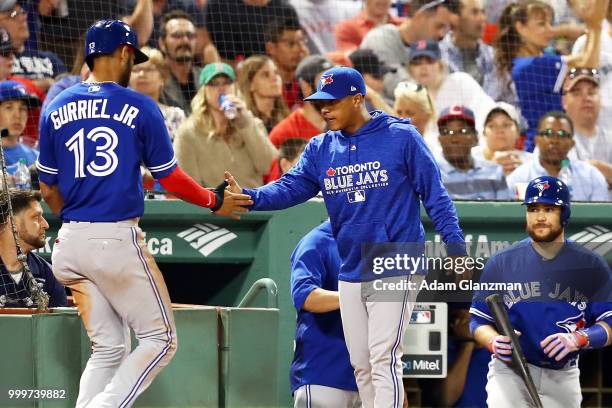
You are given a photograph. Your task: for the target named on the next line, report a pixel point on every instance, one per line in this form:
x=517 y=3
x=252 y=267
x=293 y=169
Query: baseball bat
x=519 y=363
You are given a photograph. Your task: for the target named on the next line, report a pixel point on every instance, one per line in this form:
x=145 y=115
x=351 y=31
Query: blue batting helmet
x=105 y=36
x=549 y=190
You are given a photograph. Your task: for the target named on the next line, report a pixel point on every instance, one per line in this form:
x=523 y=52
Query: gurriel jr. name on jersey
x=91 y=109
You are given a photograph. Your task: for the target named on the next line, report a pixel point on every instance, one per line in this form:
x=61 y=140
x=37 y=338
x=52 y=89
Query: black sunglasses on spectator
x=562 y=134
x=462 y=131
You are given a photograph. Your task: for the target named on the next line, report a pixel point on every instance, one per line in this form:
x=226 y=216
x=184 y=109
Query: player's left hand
x=559 y=345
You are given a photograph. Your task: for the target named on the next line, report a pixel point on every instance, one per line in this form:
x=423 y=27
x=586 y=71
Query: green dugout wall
x=222 y=258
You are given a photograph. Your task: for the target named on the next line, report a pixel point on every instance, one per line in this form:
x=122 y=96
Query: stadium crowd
x=478 y=78
x=501 y=91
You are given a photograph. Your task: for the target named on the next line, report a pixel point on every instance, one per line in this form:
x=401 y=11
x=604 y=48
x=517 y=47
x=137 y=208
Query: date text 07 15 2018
x=35 y=394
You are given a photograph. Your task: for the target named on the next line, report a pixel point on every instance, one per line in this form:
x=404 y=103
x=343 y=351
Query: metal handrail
x=271 y=289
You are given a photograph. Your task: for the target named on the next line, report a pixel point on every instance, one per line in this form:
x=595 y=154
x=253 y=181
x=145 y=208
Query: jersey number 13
x=106 y=151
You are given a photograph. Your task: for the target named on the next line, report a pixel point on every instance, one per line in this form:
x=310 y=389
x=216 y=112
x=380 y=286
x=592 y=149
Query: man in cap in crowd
x=373 y=70
x=465 y=177
x=582 y=102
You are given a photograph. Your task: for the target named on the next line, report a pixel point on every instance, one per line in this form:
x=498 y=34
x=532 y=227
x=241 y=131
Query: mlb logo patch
x=358 y=196
x=93 y=88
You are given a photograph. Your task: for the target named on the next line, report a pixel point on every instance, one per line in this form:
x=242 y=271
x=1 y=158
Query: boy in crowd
x=14 y=105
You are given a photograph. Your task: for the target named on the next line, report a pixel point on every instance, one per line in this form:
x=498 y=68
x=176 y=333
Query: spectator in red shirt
x=286 y=45
x=349 y=33
x=305 y=122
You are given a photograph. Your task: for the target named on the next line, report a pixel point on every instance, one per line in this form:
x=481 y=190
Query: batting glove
x=561 y=344
x=501 y=347
x=219 y=193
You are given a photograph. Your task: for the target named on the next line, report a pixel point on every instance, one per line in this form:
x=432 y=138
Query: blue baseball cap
x=456 y=112
x=425 y=48
x=13 y=90
x=338 y=83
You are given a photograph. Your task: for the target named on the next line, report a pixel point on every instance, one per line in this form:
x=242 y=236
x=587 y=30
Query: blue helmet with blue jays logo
x=549 y=190
x=105 y=36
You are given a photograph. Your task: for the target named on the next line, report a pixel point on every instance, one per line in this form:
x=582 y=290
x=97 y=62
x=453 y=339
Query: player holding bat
x=564 y=305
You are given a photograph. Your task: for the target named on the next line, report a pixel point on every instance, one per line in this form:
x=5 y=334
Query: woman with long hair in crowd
x=148 y=78
x=525 y=31
x=222 y=134
x=260 y=86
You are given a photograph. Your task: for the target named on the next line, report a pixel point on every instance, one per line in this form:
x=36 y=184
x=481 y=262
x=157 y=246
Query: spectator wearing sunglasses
x=373 y=72
x=582 y=102
x=465 y=177
x=525 y=33
x=554 y=140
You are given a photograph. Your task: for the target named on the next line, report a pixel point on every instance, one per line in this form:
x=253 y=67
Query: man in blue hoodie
x=373 y=170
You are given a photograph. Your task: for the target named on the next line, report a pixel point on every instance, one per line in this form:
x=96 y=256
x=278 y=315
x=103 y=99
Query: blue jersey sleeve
x=479 y=311
x=47 y=160
x=307 y=272
x=158 y=152
x=294 y=187
x=427 y=183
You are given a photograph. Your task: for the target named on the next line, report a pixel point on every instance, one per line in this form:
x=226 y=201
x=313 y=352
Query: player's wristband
x=597 y=336
x=184 y=187
x=219 y=195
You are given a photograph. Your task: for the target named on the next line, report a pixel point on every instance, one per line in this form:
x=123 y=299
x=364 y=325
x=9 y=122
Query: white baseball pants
x=320 y=396
x=557 y=388
x=374 y=330
x=116 y=285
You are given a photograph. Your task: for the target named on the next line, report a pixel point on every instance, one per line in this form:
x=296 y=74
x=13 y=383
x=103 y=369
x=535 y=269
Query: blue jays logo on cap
x=542 y=186
x=326 y=80
x=13 y=90
x=338 y=83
